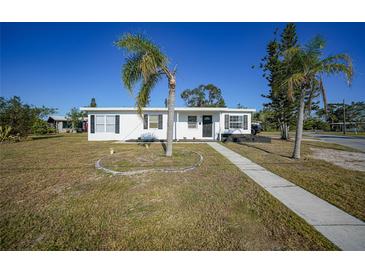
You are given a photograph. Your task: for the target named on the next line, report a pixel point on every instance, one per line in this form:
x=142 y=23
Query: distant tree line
x=18 y=119
x=21 y=119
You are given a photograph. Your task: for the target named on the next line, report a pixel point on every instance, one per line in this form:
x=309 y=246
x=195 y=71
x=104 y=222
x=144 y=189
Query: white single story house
x=190 y=123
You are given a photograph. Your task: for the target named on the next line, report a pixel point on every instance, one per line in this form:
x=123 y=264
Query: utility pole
x=344 y=118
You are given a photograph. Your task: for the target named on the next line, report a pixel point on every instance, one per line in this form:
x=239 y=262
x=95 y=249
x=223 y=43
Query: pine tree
x=93 y=103
x=282 y=109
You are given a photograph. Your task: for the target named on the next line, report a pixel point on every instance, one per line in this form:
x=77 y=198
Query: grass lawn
x=130 y=158
x=339 y=186
x=53 y=198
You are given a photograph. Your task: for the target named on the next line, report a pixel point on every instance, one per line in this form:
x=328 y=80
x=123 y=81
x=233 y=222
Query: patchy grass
x=52 y=198
x=342 y=187
x=139 y=157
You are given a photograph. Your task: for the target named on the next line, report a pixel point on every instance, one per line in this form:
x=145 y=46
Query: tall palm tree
x=147 y=64
x=308 y=68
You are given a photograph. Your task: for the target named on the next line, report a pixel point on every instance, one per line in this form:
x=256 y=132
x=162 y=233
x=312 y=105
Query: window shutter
x=145 y=121
x=226 y=121
x=160 y=121
x=117 y=124
x=245 y=123
x=92 y=123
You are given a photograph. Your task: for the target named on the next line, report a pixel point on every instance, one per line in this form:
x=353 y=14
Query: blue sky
x=64 y=65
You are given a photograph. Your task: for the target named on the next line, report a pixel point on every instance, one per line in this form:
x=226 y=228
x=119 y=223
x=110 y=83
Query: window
x=153 y=123
x=192 y=122
x=65 y=124
x=238 y=121
x=235 y=121
x=100 y=123
x=104 y=123
x=110 y=123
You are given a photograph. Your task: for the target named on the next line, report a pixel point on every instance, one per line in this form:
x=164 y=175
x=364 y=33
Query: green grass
x=52 y=198
x=150 y=157
x=342 y=187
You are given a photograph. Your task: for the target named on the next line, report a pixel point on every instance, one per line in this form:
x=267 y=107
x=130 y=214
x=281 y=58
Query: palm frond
x=339 y=63
x=324 y=94
x=144 y=59
x=294 y=81
x=137 y=43
x=148 y=66
x=339 y=68
x=315 y=46
x=131 y=72
x=143 y=97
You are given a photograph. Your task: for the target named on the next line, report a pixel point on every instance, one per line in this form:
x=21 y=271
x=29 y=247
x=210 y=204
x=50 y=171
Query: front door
x=207 y=126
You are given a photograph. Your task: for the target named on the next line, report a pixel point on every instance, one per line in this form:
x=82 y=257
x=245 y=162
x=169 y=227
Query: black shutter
x=226 y=121
x=92 y=123
x=117 y=123
x=160 y=121
x=145 y=121
x=245 y=123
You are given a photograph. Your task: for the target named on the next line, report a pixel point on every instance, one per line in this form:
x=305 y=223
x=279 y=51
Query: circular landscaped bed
x=151 y=159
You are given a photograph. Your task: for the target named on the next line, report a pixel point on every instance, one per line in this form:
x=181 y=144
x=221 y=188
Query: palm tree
x=305 y=80
x=147 y=64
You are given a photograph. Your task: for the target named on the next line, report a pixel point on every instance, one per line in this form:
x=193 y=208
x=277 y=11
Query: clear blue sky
x=63 y=65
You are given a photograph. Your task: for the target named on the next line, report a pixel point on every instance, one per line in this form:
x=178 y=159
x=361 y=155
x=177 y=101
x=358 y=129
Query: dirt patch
x=345 y=159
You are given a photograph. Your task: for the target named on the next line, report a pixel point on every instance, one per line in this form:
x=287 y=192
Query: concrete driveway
x=350 y=141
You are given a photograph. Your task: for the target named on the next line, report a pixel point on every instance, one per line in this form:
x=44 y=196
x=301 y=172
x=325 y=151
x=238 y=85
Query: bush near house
x=41 y=127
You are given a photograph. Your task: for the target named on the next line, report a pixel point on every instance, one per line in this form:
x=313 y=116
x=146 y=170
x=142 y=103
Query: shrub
x=19 y=116
x=4 y=133
x=315 y=124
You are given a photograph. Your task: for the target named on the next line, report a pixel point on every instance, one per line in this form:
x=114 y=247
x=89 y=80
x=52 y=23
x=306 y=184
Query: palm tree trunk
x=299 y=130
x=170 y=115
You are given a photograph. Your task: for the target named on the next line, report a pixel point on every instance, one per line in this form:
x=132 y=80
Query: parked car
x=255 y=128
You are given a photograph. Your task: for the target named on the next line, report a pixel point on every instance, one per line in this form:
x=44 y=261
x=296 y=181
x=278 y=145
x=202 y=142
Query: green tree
x=266 y=118
x=203 y=96
x=147 y=64
x=21 y=117
x=75 y=118
x=281 y=109
x=307 y=66
x=354 y=113
x=93 y=103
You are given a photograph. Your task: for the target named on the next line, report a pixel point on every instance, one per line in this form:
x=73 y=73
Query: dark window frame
x=192 y=124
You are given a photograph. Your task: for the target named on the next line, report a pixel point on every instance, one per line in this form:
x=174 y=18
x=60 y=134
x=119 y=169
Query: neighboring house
x=190 y=123
x=61 y=124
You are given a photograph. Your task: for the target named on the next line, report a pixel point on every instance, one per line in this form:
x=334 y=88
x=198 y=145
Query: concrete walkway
x=344 y=230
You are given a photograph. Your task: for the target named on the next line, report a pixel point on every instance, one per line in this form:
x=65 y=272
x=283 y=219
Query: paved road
x=350 y=141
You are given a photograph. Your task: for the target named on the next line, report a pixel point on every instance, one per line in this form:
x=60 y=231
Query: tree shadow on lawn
x=265 y=150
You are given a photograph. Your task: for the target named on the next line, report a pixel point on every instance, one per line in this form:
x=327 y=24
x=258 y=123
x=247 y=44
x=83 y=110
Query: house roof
x=58 y=117
x=180 y=109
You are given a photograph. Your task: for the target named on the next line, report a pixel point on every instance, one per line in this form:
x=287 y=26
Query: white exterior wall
x=131 y=126
x=183 y=132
